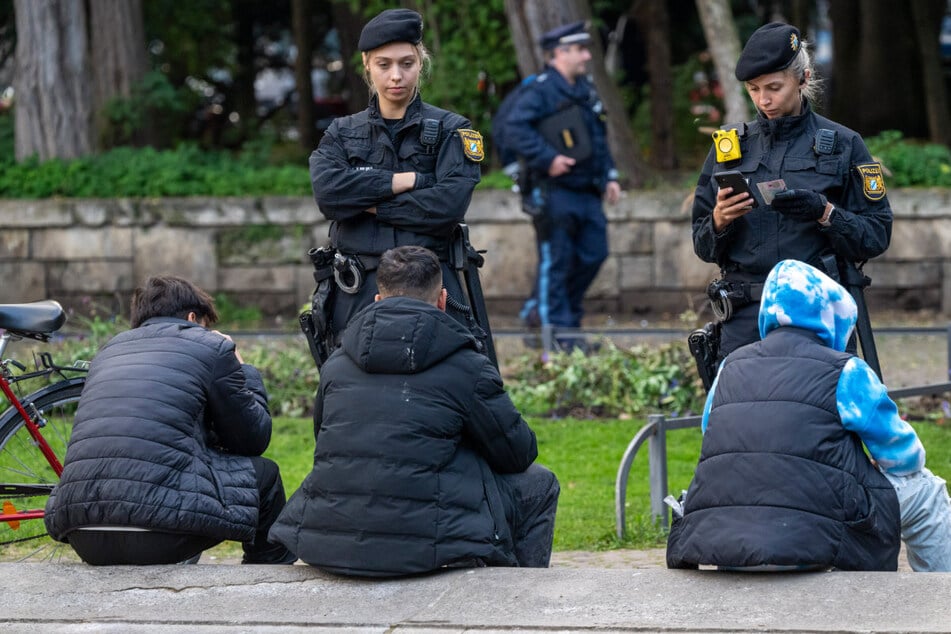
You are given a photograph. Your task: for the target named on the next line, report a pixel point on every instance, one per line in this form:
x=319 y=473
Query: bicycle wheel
x=26 y=477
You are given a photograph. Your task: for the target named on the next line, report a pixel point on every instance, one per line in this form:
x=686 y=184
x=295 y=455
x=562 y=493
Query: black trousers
x=102 y=547
x=531 y=499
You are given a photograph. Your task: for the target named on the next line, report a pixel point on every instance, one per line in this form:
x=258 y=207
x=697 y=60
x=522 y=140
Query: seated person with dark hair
x=421 y=460
x=784 y=482
x=165 y=456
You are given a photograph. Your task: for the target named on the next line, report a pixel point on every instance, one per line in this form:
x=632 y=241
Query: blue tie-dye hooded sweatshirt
x=797 y=294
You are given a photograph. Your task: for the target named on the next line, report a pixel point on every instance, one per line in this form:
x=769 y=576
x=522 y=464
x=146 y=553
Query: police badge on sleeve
x=472 y=145
x=873 y=181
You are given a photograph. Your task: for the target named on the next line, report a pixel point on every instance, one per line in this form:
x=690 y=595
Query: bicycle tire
x=22 y=463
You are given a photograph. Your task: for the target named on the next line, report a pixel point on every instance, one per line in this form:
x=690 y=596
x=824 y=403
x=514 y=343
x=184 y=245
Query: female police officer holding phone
x=821 y=198
x=399 y=173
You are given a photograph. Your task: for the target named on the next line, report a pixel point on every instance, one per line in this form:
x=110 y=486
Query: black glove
x=800 y=203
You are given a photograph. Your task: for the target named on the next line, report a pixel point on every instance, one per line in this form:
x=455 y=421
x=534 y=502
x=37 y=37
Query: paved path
x=272 y=599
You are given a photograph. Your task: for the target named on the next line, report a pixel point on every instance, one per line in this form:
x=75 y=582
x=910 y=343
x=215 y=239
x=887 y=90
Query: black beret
x=573 y=33
x=770 y=49
x=392 y=25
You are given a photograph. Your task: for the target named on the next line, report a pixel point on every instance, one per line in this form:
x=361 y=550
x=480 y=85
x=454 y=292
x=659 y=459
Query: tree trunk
x=528 y=20
x=724 y=44
x=867 y=50
x=117 y=53
x=301 y=19
x=653 y=20
x=843 y=83
x=926 y=15
x=349 y=25
x=53 y=96
x=245 y=101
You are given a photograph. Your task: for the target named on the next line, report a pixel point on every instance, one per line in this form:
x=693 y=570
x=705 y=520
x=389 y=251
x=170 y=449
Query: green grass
x=585 y=455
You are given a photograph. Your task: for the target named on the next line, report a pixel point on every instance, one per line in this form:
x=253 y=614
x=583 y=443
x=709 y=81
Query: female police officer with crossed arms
x=400 y=172
x=834 y=204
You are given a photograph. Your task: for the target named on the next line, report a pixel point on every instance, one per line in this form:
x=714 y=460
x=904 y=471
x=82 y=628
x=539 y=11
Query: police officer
x=399 y=173
x=558 y=129
x=830 y=210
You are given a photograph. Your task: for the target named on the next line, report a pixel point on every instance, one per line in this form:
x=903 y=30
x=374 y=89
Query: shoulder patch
x=472 y=144
x=873 y=181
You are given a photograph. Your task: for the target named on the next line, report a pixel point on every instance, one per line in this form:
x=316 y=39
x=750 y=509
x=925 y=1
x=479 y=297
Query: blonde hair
x=425 y=63
x=802 y=62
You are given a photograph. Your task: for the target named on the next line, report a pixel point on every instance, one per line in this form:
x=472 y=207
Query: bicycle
x=34 y=429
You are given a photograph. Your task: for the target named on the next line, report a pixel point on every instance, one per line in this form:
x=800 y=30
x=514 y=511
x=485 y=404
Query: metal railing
x=655 y=434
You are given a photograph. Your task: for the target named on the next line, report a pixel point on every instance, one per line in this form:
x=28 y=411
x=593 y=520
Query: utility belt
x=347 y=272
x=728 y=296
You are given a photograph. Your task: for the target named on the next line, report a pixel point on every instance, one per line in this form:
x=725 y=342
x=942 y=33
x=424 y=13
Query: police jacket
x=352 y=170
x=783 y=148
x=411 y=421
x=550 y=95
x=163 y=426
x=783 y=479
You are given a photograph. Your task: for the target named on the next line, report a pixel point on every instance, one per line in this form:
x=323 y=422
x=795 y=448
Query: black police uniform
x=571 y=229
x=351 y=171
x=785 y=148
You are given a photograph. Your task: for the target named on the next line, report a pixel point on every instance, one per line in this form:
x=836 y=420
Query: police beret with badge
x=574 y=33
x=392 y=25
x=771 y=48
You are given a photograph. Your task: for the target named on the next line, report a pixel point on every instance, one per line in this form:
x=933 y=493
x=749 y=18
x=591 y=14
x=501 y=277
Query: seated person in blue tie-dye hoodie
x=783 y=480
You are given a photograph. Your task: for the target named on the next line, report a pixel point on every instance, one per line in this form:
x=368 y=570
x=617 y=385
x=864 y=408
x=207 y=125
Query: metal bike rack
x=655 y=434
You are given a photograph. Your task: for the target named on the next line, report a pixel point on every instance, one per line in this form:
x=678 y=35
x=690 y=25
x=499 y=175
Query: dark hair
x=410 y=272
x=170 y=296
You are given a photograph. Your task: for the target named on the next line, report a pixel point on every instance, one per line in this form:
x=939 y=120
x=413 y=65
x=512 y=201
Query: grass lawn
x=585 y=455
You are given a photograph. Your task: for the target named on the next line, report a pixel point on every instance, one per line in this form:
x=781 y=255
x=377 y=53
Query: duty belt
x=727 y=296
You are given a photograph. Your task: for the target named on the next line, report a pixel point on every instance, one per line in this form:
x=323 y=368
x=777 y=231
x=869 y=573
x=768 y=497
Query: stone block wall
x=254 y=250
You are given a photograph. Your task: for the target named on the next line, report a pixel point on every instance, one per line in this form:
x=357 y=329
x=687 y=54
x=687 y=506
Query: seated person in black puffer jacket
x=421 y=460
x=165 y=456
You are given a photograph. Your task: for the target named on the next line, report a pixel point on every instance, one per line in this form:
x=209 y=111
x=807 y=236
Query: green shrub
x=612 y=383
x=136 y=172
x=911 y=163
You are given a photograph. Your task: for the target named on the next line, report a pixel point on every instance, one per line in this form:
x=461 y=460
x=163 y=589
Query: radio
x=727 y=144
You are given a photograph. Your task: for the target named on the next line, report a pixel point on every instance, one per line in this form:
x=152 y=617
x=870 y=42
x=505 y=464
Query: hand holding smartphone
x=737 y=181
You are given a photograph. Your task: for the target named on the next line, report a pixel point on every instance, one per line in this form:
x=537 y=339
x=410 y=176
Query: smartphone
x=737 y=181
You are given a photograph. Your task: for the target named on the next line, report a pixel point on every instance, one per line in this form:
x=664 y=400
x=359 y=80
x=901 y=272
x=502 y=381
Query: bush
x=612 y=383
x=911 y=163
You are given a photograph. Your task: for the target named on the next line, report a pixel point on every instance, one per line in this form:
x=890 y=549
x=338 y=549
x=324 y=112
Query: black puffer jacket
x=781 y=482
x=410 y=422
x=164 y=423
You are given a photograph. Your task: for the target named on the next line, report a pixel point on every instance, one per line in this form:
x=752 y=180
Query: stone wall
x=254 y=250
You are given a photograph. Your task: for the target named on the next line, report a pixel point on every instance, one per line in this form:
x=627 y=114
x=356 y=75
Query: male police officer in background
x=558 y=130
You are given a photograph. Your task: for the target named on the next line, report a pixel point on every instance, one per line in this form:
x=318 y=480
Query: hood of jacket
x=399 y=335
x=799 y=295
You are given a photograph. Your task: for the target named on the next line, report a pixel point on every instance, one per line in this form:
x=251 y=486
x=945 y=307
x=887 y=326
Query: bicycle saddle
x=34 y=318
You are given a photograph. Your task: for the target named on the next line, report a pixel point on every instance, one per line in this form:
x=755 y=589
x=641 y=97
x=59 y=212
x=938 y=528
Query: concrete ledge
x=220 y=598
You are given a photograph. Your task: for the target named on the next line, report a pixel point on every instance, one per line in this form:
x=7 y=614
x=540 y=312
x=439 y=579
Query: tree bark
x=926 y=15
x=866 y=51
x=653 y=20
x=349 y=25
x=117 y=53
x=528 y=20
x=724 y=44
x=53 y=95
x=301 y=19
